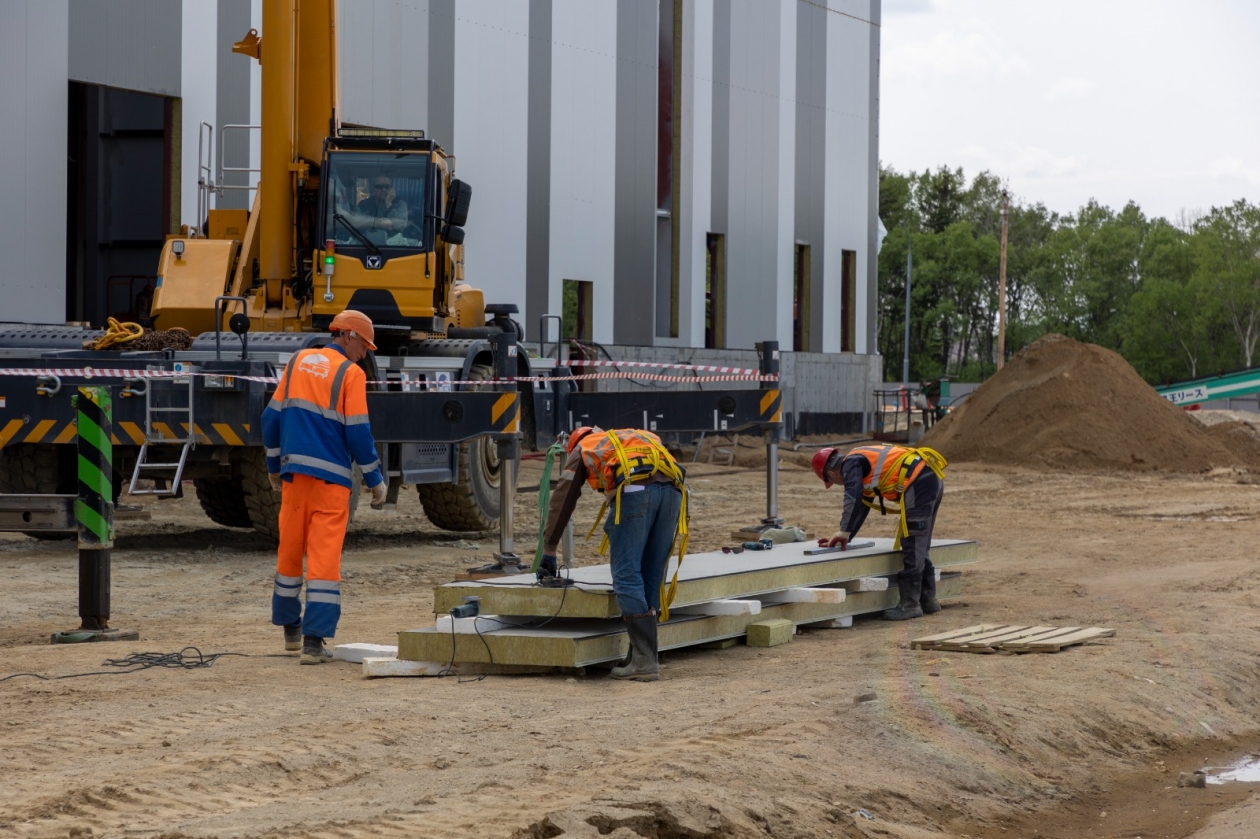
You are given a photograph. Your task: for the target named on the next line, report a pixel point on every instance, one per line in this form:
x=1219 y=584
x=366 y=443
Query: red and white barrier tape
x=701 y=368
x=115 y=373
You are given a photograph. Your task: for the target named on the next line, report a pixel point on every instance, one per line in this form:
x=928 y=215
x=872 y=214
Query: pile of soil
x=1067 y=405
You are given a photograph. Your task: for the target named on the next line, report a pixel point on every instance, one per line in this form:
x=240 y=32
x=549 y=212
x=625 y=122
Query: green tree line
x=1177 y=298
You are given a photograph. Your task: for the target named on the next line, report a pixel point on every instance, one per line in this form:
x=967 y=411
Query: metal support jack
x=505 y=559
x=769 y=367
x=94 y=512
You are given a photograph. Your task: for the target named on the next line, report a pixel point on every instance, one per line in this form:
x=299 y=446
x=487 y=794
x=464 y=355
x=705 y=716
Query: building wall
x=34 y=62
x=582 y=161
x=551 y=109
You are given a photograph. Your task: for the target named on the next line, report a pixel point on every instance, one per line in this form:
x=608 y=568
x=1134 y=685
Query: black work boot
x=643 y=666
x=293 y=637
x=314 y=651
x=909 y=606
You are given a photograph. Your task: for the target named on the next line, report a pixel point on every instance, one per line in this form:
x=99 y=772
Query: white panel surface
x=34 y=63
x=384 y=62
x=848 y=152
x=583 y=160
x=697 y=171
x=198 y=88
x=491 y=104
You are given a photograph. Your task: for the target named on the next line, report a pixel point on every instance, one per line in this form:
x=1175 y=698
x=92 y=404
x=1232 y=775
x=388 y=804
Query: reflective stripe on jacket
x=317 y=422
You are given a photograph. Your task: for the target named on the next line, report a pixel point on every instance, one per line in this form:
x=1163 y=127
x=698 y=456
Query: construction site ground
x=740 y=742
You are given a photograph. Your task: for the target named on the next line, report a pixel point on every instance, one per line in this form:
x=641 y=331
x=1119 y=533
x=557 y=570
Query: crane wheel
x=31 y=469
x=223 y=499
x=472 y=502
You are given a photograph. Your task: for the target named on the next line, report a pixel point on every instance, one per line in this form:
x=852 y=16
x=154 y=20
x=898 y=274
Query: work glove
x=547 y=568
x=276 y=483
x=378 y=496
x=841 y=539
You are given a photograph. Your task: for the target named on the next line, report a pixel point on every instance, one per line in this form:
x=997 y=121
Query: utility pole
x=905 y=356
x=1001 y=353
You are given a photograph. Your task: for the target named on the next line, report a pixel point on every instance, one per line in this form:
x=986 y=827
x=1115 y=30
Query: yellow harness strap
x=899 y=470
x=661 y=461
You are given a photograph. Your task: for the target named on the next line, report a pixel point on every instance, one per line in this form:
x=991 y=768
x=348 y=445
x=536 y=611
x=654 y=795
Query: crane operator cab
x=390 y=225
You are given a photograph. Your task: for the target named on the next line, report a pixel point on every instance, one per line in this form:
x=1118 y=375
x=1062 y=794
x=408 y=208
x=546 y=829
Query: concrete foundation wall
x=823 y=393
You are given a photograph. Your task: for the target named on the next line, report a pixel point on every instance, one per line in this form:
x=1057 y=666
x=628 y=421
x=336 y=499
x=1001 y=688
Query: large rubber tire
x=29 y=469
x=472 y=502
x=223 y=499
x=262 y=503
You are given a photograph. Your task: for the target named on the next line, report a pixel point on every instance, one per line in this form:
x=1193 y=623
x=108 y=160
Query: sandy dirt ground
x=741 y=742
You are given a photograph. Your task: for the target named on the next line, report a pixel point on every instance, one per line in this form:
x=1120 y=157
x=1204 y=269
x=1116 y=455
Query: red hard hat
x=577 y=435
x=820 y=464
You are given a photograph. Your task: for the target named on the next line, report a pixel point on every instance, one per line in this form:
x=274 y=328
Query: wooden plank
x=578 y=642
x=867 y=584
x=958 y=633
x=991 y=640
x=1033 y=637
x=720 y=607
x=805 y=595
x=1059 y=642
x=704 y=577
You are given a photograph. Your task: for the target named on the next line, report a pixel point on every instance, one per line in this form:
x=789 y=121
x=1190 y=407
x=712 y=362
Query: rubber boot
x=927 y=599
x=909 y=606
x=643 y=666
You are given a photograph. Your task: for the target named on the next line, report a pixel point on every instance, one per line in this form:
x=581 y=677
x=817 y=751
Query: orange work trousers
x=313 y=519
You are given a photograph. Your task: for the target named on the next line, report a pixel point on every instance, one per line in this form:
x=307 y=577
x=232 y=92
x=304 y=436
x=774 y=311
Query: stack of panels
x=524 y=624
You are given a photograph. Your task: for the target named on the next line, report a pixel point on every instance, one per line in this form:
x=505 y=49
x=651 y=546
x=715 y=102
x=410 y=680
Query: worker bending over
x=316 y=424
x=912 y=478
x=645 y=498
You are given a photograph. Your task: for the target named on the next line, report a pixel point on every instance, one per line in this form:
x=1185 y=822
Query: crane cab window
x=375 y=201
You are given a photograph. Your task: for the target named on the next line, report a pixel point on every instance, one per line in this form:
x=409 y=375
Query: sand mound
x=1067 y=405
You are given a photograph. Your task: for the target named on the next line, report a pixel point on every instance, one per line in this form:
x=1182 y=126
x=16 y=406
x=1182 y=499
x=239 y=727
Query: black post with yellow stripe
x=94 y=515
x=506 y=425
x=771 y=418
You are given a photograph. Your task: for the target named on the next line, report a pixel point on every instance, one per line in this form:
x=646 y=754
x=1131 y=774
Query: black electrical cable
x=137 y=662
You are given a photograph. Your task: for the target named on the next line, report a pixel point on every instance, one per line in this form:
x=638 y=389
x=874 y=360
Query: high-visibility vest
x=893 y=468
x=625 y=456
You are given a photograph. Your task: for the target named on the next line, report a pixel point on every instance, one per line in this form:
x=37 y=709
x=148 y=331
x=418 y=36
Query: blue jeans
x=639 y=545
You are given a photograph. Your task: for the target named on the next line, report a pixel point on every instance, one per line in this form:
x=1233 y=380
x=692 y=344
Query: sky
x=1152 y=101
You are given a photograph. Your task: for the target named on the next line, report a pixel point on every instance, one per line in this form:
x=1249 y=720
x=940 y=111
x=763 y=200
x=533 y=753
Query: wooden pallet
x=992 y=637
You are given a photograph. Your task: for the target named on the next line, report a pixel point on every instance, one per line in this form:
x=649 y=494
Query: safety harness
x=892 y=478
x=649 y=458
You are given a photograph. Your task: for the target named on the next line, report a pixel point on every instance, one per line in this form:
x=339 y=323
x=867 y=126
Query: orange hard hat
x=820 y=464
x=578 y=434
x=356 y=323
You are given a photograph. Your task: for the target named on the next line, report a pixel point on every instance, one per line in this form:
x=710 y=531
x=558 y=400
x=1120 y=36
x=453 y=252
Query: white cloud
x=1031 y=162
x=1233 y=168
x=971 y=52
x=910 y=7
x=1069 y=88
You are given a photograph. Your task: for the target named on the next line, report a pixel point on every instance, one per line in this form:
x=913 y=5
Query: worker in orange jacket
x=913 y=479
x=315 y=426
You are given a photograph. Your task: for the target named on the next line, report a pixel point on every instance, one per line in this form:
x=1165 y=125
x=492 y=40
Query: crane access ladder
x=168 y=409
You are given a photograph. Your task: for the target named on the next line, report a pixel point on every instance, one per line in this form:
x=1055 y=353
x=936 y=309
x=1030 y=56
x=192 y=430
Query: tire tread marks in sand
x=1067 y=405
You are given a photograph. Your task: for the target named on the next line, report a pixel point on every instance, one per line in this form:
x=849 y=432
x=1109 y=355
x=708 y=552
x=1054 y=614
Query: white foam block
x=720 y=607
x=938 y=575
x=805 y=595
x=374 y=666
x=867 y=584
x=834 y=623
x=355 y=653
